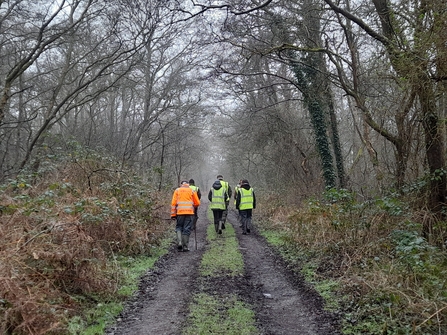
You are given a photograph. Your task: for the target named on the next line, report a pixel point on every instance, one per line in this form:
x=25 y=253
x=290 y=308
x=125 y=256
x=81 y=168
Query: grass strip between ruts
x=220 y=314
x=223 y=256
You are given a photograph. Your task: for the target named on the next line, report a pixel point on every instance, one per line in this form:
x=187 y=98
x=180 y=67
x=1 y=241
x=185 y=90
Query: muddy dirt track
x=283 y=303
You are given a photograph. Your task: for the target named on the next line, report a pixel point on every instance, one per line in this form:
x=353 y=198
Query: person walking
x=218 y=197
x=184 y=201
x=245 y=203
x=236 y=190
x=196 y=189
x=227 y=188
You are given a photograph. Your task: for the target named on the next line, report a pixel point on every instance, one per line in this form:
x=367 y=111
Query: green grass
x=96 y=318
x=215 y=314
x=219 y=315
x=275 y=238
x=223 y=256
x=326 y=288
x=133 y=268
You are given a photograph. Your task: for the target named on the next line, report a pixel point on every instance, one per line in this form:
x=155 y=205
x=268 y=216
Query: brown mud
x=283 y=303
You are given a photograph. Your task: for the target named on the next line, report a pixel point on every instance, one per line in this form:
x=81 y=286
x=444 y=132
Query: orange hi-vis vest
x=183 y=201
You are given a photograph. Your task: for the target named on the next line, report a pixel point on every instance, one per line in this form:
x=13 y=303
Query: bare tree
x=110 y=75
x=60 y=73
x=414 y=52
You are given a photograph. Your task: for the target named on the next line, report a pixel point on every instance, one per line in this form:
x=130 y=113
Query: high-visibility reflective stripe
x=181 y=205
x=217 y=199
x=246 y=199
x=224 y=184
x=236 y=189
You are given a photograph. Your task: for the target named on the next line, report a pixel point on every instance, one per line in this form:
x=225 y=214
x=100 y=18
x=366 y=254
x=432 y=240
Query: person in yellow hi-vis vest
x=218 y=197
x=245 y=203
x=192 y=185
x=227 y=188
x=236 y=190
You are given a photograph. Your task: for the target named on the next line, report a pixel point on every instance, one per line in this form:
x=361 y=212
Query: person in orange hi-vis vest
x=184 y=201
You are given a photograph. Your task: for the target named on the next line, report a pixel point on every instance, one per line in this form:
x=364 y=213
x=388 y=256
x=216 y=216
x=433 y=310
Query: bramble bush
x=60 y=228
x=391 y=280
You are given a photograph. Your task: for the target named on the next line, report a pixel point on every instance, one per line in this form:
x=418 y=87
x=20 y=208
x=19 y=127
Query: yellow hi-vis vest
x=217 y=199
x=236 y=189
x=226 y=186
x=246 y=199
x=194 y=187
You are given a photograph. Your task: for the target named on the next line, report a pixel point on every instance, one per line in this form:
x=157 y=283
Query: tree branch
x=371 y=32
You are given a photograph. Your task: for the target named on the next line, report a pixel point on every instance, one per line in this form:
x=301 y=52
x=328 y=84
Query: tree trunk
x=434 y=146
x=412 y=63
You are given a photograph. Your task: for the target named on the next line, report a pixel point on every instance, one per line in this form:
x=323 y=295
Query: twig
x=35 y=236
x=195 y=234
x=435 y=313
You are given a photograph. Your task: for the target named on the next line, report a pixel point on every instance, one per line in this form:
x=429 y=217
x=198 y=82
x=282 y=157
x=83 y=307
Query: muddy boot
x=219 y=230
x=185 y=242
x=179 y=240
x=224 y=218
x=244 y=227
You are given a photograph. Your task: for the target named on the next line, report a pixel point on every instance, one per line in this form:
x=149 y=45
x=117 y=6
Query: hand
x=173 y=218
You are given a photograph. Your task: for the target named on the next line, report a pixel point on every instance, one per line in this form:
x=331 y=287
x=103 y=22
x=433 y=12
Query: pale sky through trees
x=175 y=88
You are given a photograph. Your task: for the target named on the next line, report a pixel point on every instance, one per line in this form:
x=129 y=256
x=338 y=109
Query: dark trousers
x=246 y=215
x=217 y=214
x=225 y=212
x=184 y=224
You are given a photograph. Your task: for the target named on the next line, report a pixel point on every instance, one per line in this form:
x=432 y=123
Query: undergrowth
x=96 y=317
x=370 y=260
x=62 y=230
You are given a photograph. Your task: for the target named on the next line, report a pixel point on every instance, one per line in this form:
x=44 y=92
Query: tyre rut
x=283 y=303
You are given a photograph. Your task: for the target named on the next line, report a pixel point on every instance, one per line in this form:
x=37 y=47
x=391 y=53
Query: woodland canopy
x=299 y=97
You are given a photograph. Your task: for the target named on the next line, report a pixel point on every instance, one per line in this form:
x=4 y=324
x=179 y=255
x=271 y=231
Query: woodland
x=333 y=110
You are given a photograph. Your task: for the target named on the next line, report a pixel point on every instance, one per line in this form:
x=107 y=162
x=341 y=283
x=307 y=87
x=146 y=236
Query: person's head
x=217 y=184
x=191 y=182
x=184 y=182
x=219 y=177
x=244 y=182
